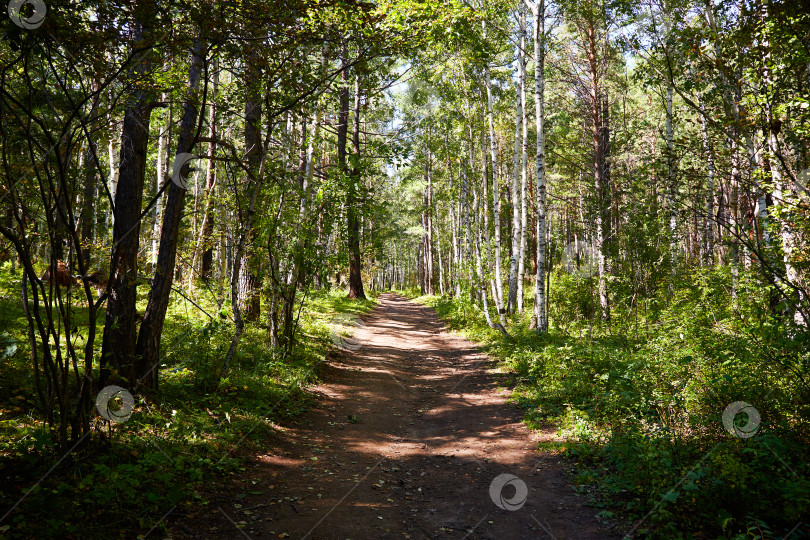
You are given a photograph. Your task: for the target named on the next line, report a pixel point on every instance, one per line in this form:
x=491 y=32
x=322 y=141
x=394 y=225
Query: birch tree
x=540 y=316
x=496 y=194
x=518 y=167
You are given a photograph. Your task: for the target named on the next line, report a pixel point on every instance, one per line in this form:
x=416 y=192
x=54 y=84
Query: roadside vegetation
x=178 y=444
x=640 y=402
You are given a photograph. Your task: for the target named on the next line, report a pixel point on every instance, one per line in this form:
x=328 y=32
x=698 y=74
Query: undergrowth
x=640 y=402
x=122 y=479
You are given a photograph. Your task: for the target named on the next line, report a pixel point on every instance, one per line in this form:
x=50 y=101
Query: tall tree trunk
x=475 y=218
x=148 y=347
x=485 y=214
x=249 y=281
x=113 y=187
x=540 y=302
x=511 y=304
x=160 y=177
x=353 y=202
x=496 y=197
x=455 y=255
x=240 y=281
x=791 y=290
x=118 y=342
x=428 y=224
x=319 y=278
x=480 y=280
x=207 y=229
x=733 y=219
x=596 y=103
x=731 y=102
x=295 y=276
x=524 y=199
x=343 y=136
x=441 y=262
x=237 y=266
x=769 y=134
x=465 y=211
x=607 y=191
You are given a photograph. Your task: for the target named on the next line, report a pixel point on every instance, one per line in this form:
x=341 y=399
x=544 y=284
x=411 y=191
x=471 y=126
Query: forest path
x=407 y=435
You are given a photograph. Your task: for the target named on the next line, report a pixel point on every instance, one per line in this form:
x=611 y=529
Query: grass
x=177 y=445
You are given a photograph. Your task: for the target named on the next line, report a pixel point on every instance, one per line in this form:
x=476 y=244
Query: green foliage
x=177 y=444
x=640 y=401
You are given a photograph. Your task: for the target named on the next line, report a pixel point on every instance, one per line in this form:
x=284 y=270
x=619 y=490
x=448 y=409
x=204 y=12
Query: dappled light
x=405 y=269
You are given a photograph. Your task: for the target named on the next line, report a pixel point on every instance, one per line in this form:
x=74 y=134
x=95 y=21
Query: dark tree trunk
x=355 y=256
x=352 y=214
x=118 y=343
x=148 y=346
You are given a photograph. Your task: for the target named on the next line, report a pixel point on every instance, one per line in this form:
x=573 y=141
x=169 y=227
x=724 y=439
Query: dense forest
x=198 y=200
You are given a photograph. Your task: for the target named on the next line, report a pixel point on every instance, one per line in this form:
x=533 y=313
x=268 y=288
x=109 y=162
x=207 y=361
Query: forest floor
x=408 y=432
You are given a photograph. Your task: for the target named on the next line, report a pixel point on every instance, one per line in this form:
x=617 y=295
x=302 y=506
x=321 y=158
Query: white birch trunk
x=480 y=275
x=465 y=212
x=516 y=198
x=496 y=198
x=523 y=197
x=540 y=302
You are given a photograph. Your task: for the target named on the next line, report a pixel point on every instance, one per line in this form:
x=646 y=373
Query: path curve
x=405 y=440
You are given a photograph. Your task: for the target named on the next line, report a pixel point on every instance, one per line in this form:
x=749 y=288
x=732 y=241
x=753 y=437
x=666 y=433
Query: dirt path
x=408 y=434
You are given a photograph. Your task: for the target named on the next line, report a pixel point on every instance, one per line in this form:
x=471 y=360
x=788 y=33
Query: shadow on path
x=407 y=435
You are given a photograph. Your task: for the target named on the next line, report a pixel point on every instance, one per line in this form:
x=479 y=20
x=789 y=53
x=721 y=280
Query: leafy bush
x=196 y=431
